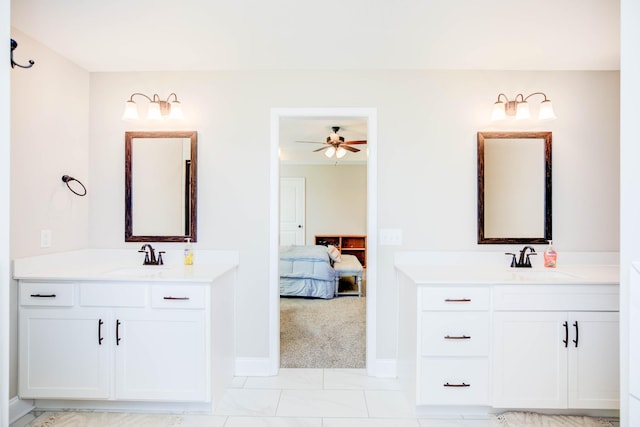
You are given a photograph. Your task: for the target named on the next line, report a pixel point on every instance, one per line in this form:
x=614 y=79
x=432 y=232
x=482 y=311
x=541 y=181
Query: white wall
x=5 y=187
x=49 y=138
x=335 y=199
x=427 y=124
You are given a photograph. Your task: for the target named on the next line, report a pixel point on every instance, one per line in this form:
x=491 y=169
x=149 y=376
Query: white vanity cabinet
x=453 y=346
x=120 y=341
x=555 y=346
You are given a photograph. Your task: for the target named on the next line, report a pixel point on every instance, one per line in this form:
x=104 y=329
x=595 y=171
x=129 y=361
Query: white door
x=530 y=360
x=65 y=353
x=292 y=215
x=161 y=355
x=594 y=361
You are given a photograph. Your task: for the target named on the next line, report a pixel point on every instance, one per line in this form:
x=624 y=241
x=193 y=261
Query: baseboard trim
x=18 y=408
x=255 y=367
x=384 y=368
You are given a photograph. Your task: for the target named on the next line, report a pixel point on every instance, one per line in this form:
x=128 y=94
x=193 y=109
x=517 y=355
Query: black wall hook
x=66 y=179
x=14 y=45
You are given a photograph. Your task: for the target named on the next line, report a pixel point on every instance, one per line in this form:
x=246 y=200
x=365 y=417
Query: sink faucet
x=523 y=260
x=150 y=255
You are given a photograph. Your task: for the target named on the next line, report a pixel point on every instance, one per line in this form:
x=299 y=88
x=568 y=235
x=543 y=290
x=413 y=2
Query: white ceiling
x=145 y=35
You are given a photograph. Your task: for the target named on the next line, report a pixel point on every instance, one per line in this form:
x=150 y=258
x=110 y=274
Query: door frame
x=370 y=114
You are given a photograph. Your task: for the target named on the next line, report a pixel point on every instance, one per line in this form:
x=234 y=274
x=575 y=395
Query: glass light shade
x=498 y=112
x=522 y=110
x=154 y=111
x=176 y=111
x=130 y=111
x=330 y=152
x=340 y=152
x=546 y=111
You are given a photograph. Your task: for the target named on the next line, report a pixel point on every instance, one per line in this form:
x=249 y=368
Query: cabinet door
x=162 y=355
x=64 y=353
x=594 y=360
x=530 y=360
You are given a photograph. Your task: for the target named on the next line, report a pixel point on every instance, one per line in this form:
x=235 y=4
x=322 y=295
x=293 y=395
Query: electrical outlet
x=45 y=238
x=391 y=236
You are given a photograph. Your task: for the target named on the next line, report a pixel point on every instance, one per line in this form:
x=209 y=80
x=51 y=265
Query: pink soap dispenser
x=550 y=256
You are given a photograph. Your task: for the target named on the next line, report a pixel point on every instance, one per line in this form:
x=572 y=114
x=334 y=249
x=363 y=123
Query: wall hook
x=66 y=179
x=14 y=45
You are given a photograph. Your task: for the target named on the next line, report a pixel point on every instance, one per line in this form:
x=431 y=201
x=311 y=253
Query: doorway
x=370 y=116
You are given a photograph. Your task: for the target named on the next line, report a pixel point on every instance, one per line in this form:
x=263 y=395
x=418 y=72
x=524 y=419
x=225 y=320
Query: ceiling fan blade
x=311 y=142
x=363 y=141
x=321 y=148
x=349 y=148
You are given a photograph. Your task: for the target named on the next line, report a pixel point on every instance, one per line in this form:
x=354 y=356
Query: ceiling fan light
x=340 y=152
x=330 y=152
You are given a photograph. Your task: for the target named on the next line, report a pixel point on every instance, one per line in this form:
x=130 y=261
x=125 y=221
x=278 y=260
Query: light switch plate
x=390 y=236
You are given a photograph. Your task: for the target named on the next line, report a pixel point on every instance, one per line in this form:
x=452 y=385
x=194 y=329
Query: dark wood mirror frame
x=191 y=204
x=546 y=136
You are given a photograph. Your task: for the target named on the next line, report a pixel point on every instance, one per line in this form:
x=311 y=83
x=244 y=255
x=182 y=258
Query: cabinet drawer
x=49 y=294
x=557 y=297
x=455 y=334
x=178 y=296
x=453 y=381
x=455 y=298
x=100 y=294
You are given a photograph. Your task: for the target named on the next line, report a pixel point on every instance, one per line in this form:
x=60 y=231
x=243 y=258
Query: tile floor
x=317 y=398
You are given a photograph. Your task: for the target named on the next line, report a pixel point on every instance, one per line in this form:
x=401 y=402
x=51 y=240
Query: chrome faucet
x=523 y=260
x=150 y=255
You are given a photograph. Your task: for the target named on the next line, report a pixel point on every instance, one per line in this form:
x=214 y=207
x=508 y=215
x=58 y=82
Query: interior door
x=292 y=214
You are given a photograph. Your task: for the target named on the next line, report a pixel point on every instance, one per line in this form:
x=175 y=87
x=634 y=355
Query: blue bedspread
x=306 y=271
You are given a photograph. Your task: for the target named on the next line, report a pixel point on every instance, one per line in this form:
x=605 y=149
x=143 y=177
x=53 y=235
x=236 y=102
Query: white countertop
x=124 y=265
x=478 y=274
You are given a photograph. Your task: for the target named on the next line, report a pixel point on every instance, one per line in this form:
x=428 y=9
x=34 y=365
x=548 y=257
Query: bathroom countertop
x=123 y=265
x=495 y=275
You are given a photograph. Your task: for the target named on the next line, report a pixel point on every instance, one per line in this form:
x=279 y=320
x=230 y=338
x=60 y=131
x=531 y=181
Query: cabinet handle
x=43 y=296
x=118 y=332
x=458 y=300
x=566 y=334
x=457 y=337
x=100 y=338
x=456 y=385
x=575 y=325
x=177 y=298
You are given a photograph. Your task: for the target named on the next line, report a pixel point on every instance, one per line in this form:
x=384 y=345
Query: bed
x=306 y=271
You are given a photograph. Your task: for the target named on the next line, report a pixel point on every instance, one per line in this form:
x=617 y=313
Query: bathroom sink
x=542 y=275
x=139 y=271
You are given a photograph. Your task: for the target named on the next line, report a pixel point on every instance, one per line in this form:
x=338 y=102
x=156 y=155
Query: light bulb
x=330 y=152
x=130 y=111
x=546 y=111
x=176 y=111
x=154 y=111
x=522 y=110
x=498 y=112
x=340 y=152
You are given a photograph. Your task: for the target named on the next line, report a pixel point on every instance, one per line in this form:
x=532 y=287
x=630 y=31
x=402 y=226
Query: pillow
x=334 y=253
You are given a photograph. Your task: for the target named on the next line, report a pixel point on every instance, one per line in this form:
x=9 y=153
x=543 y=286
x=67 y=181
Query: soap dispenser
x=188 y=253
x=550 y=256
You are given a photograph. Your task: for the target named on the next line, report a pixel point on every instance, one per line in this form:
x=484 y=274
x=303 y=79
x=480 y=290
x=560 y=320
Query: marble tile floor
x=316 y=398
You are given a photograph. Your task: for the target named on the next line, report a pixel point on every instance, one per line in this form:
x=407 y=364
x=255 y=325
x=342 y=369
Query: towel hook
x=14 y=45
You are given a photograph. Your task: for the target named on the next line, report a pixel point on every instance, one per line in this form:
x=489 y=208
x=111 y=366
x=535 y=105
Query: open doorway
x=368 y=119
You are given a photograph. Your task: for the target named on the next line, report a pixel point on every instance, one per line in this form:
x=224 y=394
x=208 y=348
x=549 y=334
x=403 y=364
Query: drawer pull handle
x=457 y=300
x=566 y=334
x=456 y=385
x=43 y=296
x=118 y=332
x=457 y=337
x=575 y=325
x=100 y=338
x=177 y=298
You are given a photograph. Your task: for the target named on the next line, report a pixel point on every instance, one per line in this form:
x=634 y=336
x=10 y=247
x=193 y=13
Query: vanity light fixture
x=158 y=108
x=519 y=107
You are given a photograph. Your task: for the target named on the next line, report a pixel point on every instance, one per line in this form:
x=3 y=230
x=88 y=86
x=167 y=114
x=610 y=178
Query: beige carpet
x=531 y=419
x=105 y=419
x=317 y=333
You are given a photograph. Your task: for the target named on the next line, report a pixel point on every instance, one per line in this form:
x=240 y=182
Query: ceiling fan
x=335 y=144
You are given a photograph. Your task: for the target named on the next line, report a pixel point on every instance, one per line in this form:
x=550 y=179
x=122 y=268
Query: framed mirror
x=514 y=187
x=160 y=186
